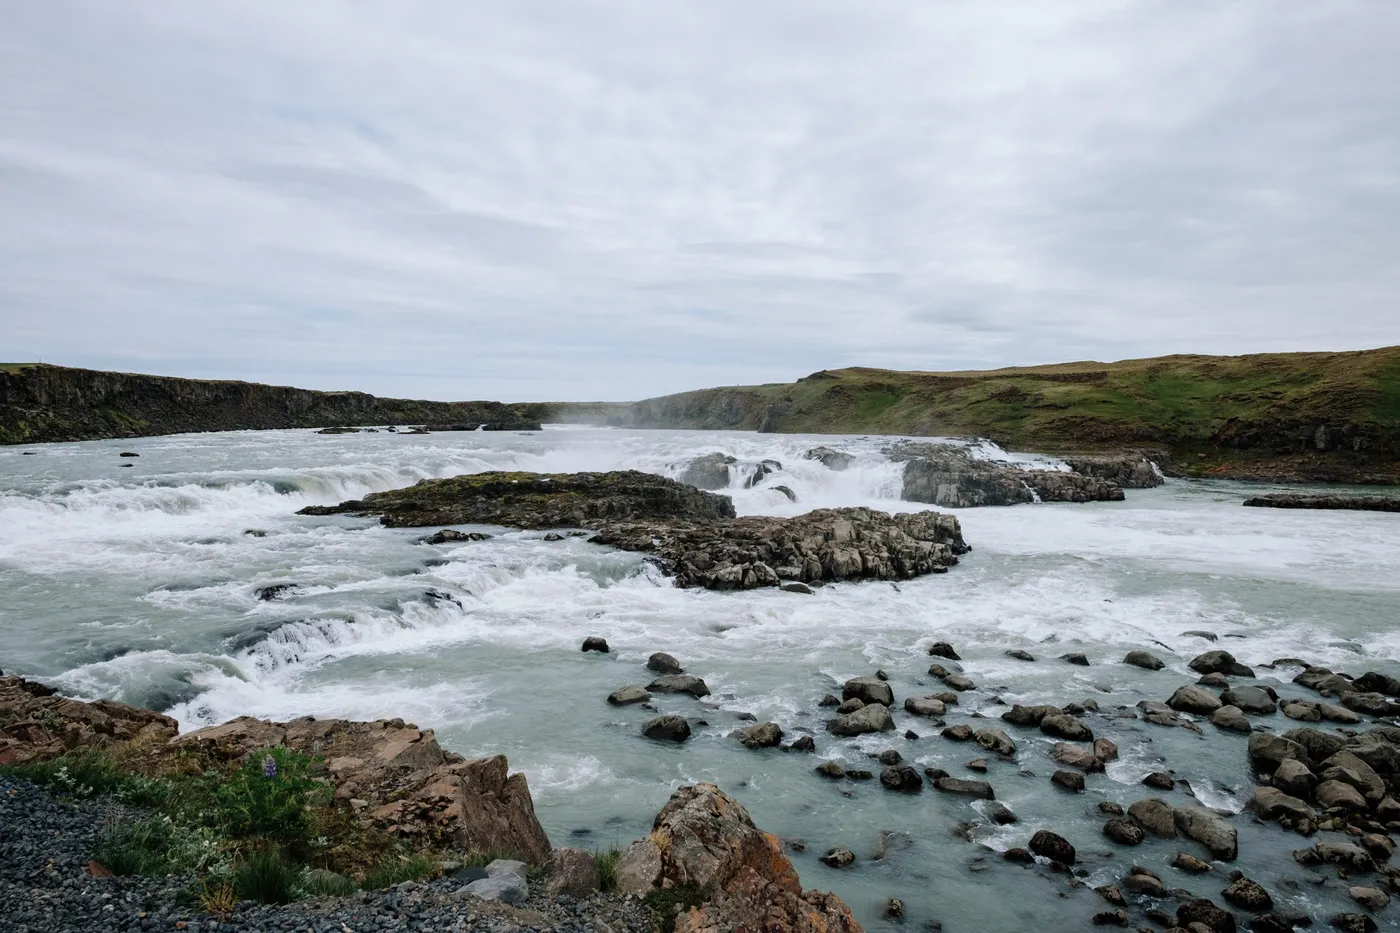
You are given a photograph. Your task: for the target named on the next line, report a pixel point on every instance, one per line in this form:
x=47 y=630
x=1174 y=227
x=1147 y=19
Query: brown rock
x=740 y=874
x=571 y=871
x=37 y=724
x=412 y=788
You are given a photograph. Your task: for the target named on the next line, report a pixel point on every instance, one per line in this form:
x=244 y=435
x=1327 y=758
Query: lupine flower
x=269 y=767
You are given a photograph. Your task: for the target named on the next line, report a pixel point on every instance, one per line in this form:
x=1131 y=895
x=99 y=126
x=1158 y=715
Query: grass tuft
x=606 y=860
x=400 y=869
x=265 y=876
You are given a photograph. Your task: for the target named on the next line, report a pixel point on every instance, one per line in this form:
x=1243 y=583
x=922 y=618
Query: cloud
x=618 y=199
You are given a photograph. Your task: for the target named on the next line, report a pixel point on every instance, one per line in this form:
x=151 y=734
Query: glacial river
x=138 y=583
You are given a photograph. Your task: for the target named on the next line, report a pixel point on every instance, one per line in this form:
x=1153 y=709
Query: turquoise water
x=138 y=584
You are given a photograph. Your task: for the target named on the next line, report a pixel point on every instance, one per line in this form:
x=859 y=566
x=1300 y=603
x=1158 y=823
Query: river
x=136 y=579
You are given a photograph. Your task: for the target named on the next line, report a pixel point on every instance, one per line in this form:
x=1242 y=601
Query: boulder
x=1372 y=682
x=1193 y=699
x=1160 y=780
x=1189 y=863
x=868 y=690
x=1214 y=918
x=679 y=683
x=1019 y=655
x=571 y=871
x=667 y=729
x=663 y=663
x=505 y=881
x=1346 y=767
x=831 y=459
x=1154 y=815
x=1230 y=718
x=1076 y=756
x=594 y=643
x=902 y=778
x=962 y=732
x=1068 y=727
x=1293 y=777
x=1145 y=883
x=1052 y=846
x=762 y=735
x=1266 y=751
x=839 y=857
x=1219 y=661
x=831 y=769
x=1271 y=803
x=995 y=740
x=1250 y=699
x=959 y=682
x=1105 y=749
x=1020 y=715
x=873 y=718
x=1072 y=781
x=803 y=743
x=414 y=792
x=1124 y=832
x=1302 y=711
x=626 y=696
x=1370 y=898
x=931 y=707
x=1075 y=658
x=849 y=706
x=708 y=472
x=941 y=649
x=1207 y=828
x=1145 y=660
x=1337 y=794
x=739 y=875
x=1370 y=704
x=952 y=785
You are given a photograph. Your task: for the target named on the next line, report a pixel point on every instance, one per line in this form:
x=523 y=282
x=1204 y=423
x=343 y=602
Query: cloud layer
x=580 y=200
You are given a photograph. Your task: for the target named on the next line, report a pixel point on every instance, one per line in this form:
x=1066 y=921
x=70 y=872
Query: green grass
x=606 y=860
x=401 y=868
x=255 y=831
x=1235 y=408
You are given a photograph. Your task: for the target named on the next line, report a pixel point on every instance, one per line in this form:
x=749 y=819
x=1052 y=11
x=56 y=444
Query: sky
x=582 y=200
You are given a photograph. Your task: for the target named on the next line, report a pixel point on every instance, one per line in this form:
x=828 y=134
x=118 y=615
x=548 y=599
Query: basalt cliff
x=41 y=403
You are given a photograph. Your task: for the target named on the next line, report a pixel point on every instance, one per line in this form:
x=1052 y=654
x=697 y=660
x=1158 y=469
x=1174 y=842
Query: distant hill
x=39 y=402
x=1306 y=416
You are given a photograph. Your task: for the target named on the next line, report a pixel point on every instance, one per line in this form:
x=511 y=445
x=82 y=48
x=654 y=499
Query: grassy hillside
x=1325 y=416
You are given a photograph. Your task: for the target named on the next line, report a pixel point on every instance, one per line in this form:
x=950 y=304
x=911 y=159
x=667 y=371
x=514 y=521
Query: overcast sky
x=612 y=200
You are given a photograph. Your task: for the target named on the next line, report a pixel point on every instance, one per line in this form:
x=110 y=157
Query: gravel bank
x=45 y=887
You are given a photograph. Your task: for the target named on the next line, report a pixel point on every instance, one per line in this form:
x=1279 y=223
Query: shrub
x=267 y=877
x=403 y=868
x=220 y=899
x=268 y=797
x=155 y=847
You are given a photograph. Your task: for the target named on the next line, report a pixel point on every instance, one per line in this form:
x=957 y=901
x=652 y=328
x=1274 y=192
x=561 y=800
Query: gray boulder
x=995 y=740
x=925 y=706
x=625 y=696
x=679 y=683
x=663 y=663
x=1249 y=699
x=1231 y=718
x=1154 y=815
x=873 y=718
x=505 y=882
x=1209 y=830
x=666 y=729
x=1063 y=726
x=762 y=735
x=1193 y=699
x=1145 y=660
x=868 y=690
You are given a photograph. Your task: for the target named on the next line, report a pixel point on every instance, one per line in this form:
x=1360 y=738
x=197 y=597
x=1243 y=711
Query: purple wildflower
x=269 y=767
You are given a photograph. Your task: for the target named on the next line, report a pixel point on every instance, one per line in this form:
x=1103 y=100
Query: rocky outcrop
x=396 y=778
x=708 y=472
x=1129 y=472
x=37 y=724
x=393 y=776
x=825 y=545
x=55 y=403
x=947 y=475
x=1357 y=503
x=536 y=500
x=723 y=874
x=693 y=534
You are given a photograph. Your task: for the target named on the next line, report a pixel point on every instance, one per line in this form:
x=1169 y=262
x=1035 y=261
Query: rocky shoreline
x=716 y=869
x=1354 y=503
